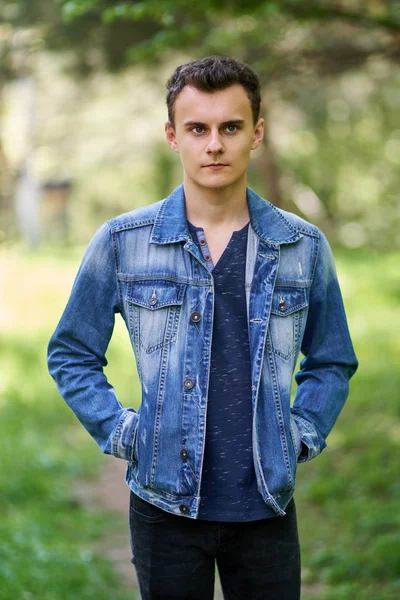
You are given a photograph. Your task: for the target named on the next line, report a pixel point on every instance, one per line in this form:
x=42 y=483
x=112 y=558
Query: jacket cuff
x=124 y=436
x=310 y=441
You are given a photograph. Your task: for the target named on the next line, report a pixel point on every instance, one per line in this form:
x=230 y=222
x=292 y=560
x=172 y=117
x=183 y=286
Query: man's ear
x=170 y=136
x=258 y=134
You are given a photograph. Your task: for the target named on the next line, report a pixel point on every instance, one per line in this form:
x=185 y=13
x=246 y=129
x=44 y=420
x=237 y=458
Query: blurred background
x=82 y=110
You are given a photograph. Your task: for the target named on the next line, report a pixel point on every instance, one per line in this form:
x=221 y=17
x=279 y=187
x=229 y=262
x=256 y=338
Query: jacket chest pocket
x=288 y=312
x=154 y=308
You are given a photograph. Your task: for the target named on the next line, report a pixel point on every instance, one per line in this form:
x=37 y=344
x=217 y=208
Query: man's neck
x=216 y=208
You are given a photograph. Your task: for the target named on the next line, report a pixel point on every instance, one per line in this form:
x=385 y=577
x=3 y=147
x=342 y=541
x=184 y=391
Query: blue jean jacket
x=144 y=265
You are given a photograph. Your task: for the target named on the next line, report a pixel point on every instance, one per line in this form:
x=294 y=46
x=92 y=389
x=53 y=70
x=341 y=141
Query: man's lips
x=216 y=165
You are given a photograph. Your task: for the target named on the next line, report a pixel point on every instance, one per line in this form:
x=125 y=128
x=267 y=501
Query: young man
x=219 y=291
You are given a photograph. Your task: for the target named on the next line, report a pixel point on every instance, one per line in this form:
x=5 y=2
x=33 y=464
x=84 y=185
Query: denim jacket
x=144 y=265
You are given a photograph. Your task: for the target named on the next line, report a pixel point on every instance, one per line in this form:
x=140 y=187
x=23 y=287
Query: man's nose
x=215 y=144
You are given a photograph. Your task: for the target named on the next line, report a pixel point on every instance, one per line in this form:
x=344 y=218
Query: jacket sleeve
x=329 y=360
x=76 y=351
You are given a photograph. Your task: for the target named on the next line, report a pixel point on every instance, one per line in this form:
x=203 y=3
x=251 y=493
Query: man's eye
x=232 y=128
x=198 y=129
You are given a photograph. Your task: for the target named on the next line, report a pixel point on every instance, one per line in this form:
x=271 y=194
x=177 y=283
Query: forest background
x=82 y=108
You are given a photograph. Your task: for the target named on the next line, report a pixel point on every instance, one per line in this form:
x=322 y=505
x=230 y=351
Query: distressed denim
x=145 y=266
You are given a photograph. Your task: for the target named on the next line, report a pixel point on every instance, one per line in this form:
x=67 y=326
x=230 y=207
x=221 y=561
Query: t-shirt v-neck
x=226 y=254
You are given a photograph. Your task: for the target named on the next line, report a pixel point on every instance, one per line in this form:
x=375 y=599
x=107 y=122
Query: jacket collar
x=267 y=221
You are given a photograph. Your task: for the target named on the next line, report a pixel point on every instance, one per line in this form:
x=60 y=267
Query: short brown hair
x=214 y=73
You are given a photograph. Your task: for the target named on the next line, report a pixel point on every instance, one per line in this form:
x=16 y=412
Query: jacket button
x=195 y=317
x=153 y=299
x=282 y=304
x=184 y=509
x=203 y=242
x=207 y=257
x=184 y=454
x=188 y=384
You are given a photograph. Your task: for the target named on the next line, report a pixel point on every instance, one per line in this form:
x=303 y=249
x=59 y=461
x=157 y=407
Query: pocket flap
x=156 y=294
x=286 y=300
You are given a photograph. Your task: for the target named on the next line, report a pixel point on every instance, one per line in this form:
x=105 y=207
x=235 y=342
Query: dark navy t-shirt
x=228 y=486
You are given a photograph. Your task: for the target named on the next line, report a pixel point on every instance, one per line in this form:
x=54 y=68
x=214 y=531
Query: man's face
x=214 y=134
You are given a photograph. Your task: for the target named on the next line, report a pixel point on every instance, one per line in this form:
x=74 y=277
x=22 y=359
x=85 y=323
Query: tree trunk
x=27 y=190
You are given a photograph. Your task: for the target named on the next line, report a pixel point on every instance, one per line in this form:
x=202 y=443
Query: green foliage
x=378 y=13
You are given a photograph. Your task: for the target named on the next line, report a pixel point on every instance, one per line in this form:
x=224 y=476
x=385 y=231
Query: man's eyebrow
x=224 y=124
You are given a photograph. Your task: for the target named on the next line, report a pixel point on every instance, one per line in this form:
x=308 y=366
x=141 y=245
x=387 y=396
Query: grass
x=347 y=499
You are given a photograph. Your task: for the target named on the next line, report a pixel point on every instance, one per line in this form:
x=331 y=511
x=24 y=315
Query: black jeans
x=175 y=556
